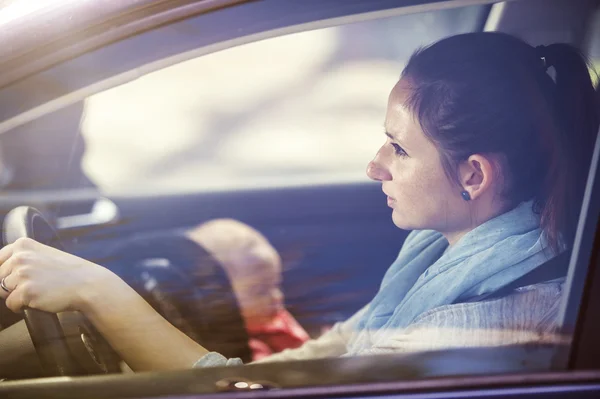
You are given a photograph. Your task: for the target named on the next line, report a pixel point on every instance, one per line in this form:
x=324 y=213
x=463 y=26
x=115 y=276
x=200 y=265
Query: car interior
x=332 y=231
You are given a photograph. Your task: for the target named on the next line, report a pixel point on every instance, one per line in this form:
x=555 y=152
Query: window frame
x=582 y=304
x=320 y=13
x=63 y=79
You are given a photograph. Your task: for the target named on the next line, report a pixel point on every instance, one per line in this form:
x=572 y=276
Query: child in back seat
x=254 y=270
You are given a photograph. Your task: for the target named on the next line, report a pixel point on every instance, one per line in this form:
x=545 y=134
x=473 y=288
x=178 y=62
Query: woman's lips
x=390 y=201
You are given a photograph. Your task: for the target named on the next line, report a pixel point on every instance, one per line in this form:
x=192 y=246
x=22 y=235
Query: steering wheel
x=83 y=350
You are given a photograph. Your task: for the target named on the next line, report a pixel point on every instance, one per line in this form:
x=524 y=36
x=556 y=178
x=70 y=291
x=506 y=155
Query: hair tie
x=542 y=53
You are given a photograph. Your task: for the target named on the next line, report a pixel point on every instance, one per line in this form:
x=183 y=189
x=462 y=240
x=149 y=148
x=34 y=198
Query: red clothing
x=282 y=332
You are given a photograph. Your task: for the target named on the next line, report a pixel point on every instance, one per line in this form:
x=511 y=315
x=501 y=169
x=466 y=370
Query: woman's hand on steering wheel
x=44 y=278
x=38 y=276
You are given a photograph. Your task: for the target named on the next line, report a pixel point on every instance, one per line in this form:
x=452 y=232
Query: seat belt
x=556 y=267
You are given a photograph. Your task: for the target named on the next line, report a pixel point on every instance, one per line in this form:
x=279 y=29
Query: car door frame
x=583 y=340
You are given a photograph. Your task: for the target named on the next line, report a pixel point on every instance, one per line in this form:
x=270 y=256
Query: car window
x=207 y=172
x=253 y=115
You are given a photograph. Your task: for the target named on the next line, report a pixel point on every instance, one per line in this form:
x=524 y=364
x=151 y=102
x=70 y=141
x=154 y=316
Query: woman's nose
x=377 y=172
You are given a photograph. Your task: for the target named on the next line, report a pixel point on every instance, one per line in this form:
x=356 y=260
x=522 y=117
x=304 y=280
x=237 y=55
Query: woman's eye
x=398 y=150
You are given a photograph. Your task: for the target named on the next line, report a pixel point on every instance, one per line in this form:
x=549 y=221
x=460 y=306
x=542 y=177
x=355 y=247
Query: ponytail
x=576 y=111
x=492 y=93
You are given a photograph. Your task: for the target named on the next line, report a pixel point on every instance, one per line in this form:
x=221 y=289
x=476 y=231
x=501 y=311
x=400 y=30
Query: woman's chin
x=401 y=222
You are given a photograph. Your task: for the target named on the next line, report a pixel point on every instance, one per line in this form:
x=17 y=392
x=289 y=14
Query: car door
x=130 y=179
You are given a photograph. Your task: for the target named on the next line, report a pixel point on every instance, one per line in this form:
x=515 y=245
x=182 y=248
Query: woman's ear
x=477 y=175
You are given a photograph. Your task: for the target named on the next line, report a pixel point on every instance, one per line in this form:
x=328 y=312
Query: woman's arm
x=141 y=336
x=41 y=277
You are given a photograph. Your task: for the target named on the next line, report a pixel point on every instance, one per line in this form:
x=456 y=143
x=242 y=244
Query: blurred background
x=306 y=108
x=301 y=109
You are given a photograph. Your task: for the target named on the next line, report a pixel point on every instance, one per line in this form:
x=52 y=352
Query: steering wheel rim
x=45 y=329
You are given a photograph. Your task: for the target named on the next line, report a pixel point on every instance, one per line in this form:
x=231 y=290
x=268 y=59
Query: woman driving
x=485 y=159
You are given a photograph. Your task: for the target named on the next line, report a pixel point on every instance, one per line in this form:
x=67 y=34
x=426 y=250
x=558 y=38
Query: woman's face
x=408 y=166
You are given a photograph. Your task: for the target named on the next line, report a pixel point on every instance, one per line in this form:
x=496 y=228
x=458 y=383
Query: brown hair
x=490 y=93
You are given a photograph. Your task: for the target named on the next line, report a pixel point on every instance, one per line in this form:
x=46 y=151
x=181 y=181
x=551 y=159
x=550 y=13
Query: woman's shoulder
x=529 y=314
x=525 y=306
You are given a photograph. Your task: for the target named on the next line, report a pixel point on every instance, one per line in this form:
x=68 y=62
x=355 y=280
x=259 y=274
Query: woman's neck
x=477 y=216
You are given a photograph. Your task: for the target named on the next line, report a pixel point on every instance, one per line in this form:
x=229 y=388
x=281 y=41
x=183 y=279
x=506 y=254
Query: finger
x=15 y=301
x=16 y=260
x=5 y=253
x=4 y=290
x=14 y=272
x=11 y=281
x=23 y=243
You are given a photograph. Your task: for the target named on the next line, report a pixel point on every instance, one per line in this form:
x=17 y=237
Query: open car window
x=268 y=141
